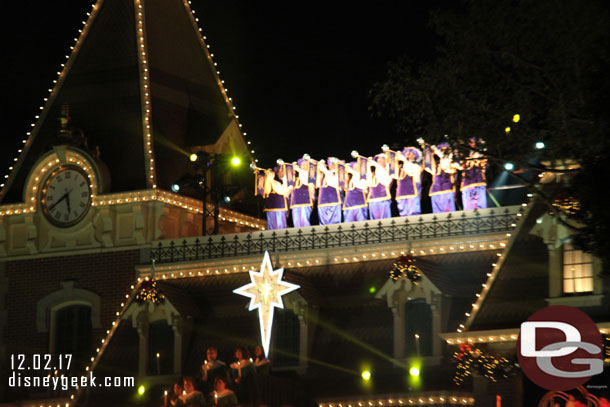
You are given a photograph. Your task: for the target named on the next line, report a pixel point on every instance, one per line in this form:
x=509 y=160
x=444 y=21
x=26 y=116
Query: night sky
x=299 y=73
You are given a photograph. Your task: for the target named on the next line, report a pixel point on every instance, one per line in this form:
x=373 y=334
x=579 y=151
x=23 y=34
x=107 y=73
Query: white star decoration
x=265 y=292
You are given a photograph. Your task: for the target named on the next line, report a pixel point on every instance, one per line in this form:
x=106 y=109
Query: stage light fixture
x=193 y=157
x=516 y=118
x=175 y=187
x=235 y=161
x=372 y=289
x=509 y=166
x=141 y=390
x=540 y=145
x=366 y=375
x=507 y=130
x=227 y=199
x=414 y=371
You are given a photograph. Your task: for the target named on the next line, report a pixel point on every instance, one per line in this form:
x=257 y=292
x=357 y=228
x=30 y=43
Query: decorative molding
x=587 y=300
x=68 y=295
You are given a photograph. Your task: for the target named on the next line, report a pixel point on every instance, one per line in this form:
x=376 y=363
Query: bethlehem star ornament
x=265 y=292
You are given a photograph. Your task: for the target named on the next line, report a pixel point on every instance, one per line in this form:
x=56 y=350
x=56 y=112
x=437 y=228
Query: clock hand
x=68 y=200
x=56 y=203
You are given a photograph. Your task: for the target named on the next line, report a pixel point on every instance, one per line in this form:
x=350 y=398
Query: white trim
x=496 y=335
x=582 y=300
x=68 y=295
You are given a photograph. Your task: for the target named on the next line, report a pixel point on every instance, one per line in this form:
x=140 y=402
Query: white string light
x=205 y=46
x=491 y=276
x=47 y=101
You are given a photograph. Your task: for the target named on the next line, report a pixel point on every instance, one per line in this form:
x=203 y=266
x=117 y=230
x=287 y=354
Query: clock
x=66 y=196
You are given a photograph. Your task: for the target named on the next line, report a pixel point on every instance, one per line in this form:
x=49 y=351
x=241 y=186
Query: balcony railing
x=428 y=226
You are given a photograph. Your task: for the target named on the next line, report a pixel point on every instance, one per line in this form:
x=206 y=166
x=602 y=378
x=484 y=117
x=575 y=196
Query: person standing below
x=223 y=397
x=443 y=169
x=302 y=196
x=329 y=197
x=408 y=178
x=355 y=207
x=379 y=181
x=211 y=369
x=242 y=375
x=276 y=203
x=474 y=184
x=174 y=398
x=191 y=397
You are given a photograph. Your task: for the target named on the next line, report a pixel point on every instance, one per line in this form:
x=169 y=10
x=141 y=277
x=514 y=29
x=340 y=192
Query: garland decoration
x=471 y=359
x=405 y=266
x=566 y=204
x=149 y=292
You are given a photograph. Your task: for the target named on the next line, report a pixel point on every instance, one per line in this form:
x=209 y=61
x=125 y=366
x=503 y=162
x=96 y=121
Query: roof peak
x=144 y=90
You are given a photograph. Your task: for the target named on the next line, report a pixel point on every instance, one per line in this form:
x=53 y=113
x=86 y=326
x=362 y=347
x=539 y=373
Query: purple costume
x=301 y=205
x=379 y=202
x=408 y=195
x=354 y=206
x=408 y=191
x=474 y=187
x=276 y=208
x=329 y=203
x=442 y=192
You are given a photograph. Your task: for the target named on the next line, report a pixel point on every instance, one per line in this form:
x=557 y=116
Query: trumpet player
x=443 y=169
x=329 y=197
x=474 y=185
x=408 y=179
x=302 y=196
x=379 y=198
x=355 y=207
x=276 y=202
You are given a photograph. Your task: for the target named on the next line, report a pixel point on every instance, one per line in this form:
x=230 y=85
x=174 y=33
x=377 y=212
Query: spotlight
x=141 y=390
x=540 y=145
x=509 y=166
x=366 y=375
x=516 y=118
x=193 y=157
x=235 y=161
x=227 y=199
x=175 y=187
x=414 y=371
x=372 y=289
x=507 y=130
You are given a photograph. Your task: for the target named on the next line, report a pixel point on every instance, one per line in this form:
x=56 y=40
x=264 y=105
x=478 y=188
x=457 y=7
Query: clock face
x=66 y=196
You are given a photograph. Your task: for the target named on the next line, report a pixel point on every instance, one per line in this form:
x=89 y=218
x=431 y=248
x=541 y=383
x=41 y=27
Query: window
x=73 y=332
x=577 y=271
x=418 y=322
x=161 y=343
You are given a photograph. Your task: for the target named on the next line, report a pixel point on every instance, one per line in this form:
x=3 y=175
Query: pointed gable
x=522 y=283
x=140 y=84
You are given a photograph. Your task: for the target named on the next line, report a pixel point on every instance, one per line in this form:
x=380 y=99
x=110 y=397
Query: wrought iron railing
x=427 y=226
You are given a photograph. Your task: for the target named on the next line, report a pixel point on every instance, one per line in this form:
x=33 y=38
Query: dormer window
x=577 y=271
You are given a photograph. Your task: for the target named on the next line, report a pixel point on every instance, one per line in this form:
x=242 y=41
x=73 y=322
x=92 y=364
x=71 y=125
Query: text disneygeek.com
x=66 y=383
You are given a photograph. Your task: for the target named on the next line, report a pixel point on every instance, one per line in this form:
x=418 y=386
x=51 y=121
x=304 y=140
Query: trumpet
x=254 y=167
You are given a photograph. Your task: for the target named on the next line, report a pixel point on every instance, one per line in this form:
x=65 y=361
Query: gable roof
x=140 y=84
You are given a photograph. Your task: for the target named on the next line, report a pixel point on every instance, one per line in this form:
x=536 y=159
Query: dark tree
x=547 y=61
